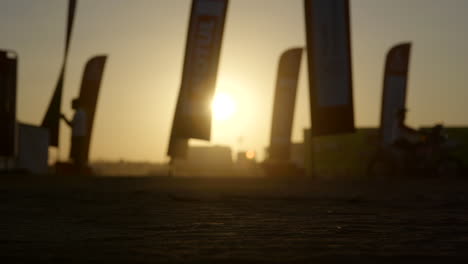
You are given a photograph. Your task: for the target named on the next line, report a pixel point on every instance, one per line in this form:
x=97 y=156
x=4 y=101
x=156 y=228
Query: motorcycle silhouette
x=430 y=158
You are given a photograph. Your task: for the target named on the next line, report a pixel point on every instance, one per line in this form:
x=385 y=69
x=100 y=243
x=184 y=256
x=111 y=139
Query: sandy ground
x=183 y=220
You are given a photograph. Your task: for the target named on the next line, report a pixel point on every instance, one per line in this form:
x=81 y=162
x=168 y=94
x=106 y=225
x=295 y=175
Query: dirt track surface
x=163 y=220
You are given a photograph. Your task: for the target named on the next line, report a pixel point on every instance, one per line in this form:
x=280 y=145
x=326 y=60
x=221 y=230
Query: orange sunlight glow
x=250 y=154
x=223 y=107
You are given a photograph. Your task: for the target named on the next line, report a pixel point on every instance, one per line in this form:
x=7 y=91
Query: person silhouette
x=78 y=126
x=403 y=136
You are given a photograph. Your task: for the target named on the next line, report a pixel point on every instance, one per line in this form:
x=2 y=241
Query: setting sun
x=223 y=106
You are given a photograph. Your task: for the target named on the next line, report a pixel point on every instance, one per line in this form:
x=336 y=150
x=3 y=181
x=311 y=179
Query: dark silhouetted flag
x=178 y=147
x=329 y=60
x=52 y=117
x=8 y=68
x=89 y=93
x=192 y=117
x=284 y=103
x=394 y=90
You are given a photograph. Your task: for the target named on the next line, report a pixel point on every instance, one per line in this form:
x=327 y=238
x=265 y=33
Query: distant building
x=206 y=161
x=350 y=154
x=246 y=164
x=298 y=154
x=129 y=168
x=341 y=154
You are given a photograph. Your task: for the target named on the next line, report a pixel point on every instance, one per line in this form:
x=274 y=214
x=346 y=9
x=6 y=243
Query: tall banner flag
x=178 y=147
x=284 y=103
x=52 y=117
x=192 y=117
x=89 y=93
x=394 y=90
x=8 y=71
x=329 y=61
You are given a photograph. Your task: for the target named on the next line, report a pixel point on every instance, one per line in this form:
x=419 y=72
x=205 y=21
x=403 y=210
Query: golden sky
x=145 y=41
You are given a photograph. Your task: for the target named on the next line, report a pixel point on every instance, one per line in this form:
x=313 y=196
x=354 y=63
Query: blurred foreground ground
x=200 y=220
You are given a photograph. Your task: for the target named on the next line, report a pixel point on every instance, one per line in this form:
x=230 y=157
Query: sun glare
x=223 y=107
x=250 y=154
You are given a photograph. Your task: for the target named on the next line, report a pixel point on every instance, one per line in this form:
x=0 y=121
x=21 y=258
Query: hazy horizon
x=145 y=41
